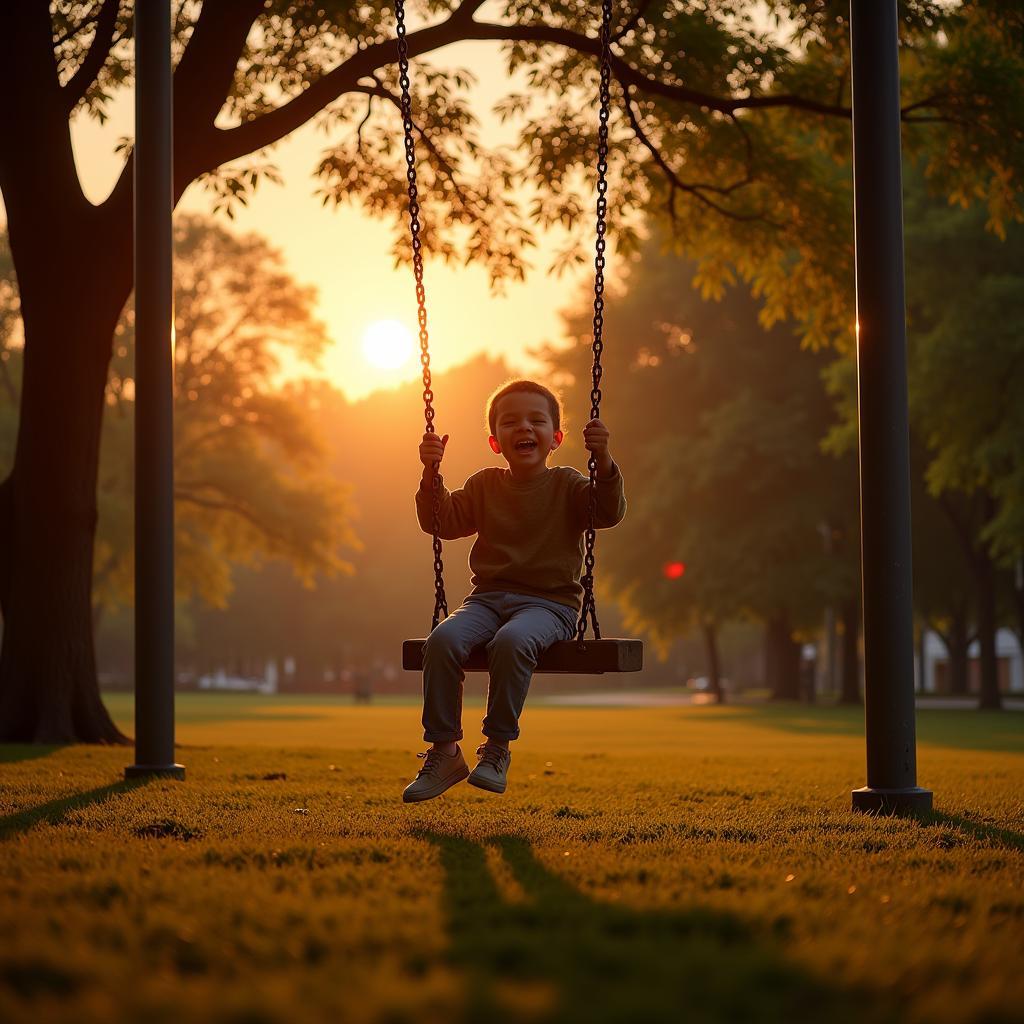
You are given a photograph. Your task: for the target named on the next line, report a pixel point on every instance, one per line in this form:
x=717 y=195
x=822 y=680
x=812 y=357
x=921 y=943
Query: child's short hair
x=522 y=384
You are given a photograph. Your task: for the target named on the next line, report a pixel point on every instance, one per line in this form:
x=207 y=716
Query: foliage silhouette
x=54 y=811
x=719 y=129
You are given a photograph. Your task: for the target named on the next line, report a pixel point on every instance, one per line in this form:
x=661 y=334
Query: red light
x=673 y=570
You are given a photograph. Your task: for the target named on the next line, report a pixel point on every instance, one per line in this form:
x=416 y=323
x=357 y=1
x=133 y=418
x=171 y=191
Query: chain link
x=589 y=605
x=440 y=601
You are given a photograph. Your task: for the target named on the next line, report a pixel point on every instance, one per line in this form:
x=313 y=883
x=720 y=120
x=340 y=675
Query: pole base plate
x=141 y=771
x=908 y=802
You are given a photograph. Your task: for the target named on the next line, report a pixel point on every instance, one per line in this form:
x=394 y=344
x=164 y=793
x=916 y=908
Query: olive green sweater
x=529 y=532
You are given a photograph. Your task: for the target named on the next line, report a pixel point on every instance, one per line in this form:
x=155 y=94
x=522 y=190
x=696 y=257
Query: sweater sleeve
x=611 y=499
x=456 y=512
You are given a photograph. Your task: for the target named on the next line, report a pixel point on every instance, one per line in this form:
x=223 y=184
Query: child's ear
x=558 y=438
x=495 y=447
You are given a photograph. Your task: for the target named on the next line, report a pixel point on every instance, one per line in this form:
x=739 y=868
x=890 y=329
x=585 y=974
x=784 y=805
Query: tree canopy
x=730 y=124
x=730 y=120
x=251 y=464
x=967 y=346
x=719 y=421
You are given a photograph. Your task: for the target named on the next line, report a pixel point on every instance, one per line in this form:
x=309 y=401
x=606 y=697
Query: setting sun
x=387 y=344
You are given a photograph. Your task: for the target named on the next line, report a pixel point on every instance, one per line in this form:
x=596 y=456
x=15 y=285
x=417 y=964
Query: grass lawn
x=646 y=864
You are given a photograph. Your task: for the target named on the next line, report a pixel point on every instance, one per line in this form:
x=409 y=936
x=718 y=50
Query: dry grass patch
x=643 y=865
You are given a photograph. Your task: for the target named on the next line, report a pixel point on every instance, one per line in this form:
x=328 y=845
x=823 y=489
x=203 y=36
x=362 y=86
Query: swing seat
x=565 y=656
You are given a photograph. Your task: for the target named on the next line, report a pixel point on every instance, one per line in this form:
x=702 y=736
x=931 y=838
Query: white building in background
x=935 y=677
x=220 y=680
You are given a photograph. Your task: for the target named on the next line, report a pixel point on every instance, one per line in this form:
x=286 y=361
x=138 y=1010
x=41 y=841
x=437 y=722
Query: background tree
x=966 y=371
x=720 y=117
x=967 y=345
x=252 y=474
x=943 y=589
x=720 y=422
x=252 y=478
x=357 y=621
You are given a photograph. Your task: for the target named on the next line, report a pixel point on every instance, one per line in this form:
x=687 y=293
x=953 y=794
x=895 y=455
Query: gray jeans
x=517 y=629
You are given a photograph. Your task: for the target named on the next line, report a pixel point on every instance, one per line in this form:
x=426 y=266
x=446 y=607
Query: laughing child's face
x=524 y=432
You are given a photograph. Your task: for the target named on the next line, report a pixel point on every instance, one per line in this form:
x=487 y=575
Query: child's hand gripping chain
x=432 y=450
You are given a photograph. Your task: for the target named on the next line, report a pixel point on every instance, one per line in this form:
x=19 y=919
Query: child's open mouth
x=525 y=446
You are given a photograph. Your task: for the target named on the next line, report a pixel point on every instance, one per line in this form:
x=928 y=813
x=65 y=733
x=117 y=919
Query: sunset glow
x=387 y=344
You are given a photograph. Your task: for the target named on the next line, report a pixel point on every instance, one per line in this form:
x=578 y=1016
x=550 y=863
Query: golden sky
x=345 y=253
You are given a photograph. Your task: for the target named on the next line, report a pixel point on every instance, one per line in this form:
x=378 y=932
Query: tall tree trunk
x=782 y=658
x=806 y=670
x=74 y=264
x=74 y=275
x=1018 y=602
x=49 y=692
x=711 y=652
x=985 y=586
x=957 y=640
x=982 y=510
x=922 y=655
x=849 y=685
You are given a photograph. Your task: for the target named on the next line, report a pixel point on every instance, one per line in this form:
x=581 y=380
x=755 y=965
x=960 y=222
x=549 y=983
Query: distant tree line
x=741 y=450
x=295 y=532
x=730 y=121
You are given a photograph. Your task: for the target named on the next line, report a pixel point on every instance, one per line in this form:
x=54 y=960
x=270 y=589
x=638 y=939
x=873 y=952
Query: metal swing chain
x=440 y=601
x=589 y=605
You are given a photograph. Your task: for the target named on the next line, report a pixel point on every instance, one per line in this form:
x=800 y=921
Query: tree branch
x=695 y=189
x=208 y=60
x=275 y=125
x=84 y=24
x=189 y=446
x=935 y=119
x=202 y=80
x=632 y=21
x=626 y=73
x=929 y=101
x=463 y=14
x=204 y=76
x=467 y=199
x=208 y=66
x=42 y=161
x=247 y=311
x=232 y=143
x=362 y=124
x=234 y=508
x=90 y=68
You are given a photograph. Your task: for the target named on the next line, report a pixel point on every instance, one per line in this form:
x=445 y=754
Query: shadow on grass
x=11 y=752
x=212 y=707
x=560 y=955
x=967 y=729
x=977 y=830
x=56 y=810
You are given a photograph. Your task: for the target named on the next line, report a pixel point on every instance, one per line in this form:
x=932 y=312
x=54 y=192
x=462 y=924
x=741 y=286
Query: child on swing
x=526 y=562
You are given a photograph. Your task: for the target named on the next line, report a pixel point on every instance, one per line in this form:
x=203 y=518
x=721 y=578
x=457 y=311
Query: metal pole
x=883 y=419
x=154 y=395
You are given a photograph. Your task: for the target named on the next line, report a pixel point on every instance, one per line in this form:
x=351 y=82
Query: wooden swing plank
x=597 y=657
